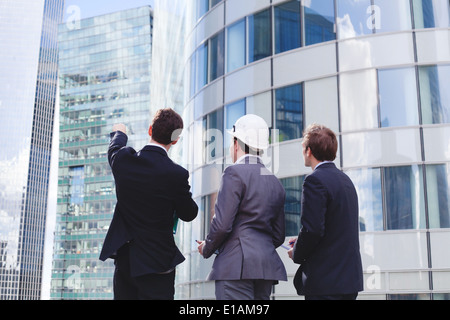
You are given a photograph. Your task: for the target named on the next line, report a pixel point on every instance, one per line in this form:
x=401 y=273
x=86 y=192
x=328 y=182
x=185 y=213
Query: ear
x=175 y=142
x=150 y=130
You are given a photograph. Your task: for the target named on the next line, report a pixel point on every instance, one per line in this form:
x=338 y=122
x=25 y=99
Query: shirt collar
x=323 y=162
x=248 y=155
x=157 y=145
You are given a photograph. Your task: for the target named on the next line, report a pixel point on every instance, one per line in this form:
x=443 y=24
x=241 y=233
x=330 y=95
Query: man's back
x=248 y=225
x=150 y=188
x=328 y=244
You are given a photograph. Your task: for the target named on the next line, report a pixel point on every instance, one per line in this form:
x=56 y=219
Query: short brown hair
x=322 y=142
x=167 y=126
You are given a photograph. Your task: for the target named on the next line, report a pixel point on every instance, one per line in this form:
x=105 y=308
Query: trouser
x=246 y=289
x=332 y=297
x=152 y=286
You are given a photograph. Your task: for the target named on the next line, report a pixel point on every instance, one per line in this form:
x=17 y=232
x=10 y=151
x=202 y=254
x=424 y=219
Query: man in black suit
x=152 y=192
x=327 y=247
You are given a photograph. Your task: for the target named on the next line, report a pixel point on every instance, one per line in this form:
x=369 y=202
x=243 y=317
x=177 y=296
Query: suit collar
x=325 y=164
x=249 y=159
x=156 y=148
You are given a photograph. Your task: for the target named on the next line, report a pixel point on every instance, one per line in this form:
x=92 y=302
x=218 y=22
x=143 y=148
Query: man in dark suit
x=152 y=192
x=327 y=247
x=248 y=224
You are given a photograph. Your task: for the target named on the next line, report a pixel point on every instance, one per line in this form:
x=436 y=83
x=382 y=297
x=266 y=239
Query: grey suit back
x=248 y=224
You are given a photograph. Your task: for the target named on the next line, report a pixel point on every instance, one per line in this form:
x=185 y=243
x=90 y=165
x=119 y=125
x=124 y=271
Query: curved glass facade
x=374 y=71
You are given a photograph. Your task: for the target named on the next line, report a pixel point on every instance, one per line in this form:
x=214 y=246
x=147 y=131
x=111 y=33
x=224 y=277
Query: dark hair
x=247 y=149
x=167 y=126
x=322 y=142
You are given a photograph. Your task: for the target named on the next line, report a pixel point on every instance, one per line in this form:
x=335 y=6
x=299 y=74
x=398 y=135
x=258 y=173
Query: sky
x=91 y=8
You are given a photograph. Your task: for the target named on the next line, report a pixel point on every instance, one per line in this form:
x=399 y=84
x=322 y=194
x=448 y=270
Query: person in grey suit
x=248 y=224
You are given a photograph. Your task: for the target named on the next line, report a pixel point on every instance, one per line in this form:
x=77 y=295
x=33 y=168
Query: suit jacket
x=328 y=244
x=150 y=189
x=248 y=224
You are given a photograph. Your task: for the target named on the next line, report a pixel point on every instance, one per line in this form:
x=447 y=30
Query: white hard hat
x=251 y=130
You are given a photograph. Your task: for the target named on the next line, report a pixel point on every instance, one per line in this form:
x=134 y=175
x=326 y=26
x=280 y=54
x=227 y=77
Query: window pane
x=353 y=19
x=292 y=205
x=368 y=186
x=398 y=97
x=391 y=15
x=260 y=36
x=287 y=26
x=434 y=94
x=214 y=138
x=232 y=113
x=217 y=53
x=201 y=67
x=431 y=13
x=359 y=108
x=438 y=193
x=236 y=46
x=319 y=21
x=289 y=112
x=404 y=197
x=202 y=7
x=214 y=2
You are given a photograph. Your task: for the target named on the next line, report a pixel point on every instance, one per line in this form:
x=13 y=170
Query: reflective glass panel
x=232 y=113
x=438 y=194
x=260 y=36
x=431 y=13
x=359 y=107
x=287 y=26
x=354 y=18
x=289 y=112
x=391 y=15
x=404 y=197
x=319 y=21
x=214 y=135
x=434 y=94
x=236 y=46
x=217 y=54
x=201 y=67
x=398 y=97
x=368 y=186
x=292 y=206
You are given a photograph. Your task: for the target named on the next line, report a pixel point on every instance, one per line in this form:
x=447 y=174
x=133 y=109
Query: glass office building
x=374 y=71
x=105 y=72
x=28 y=90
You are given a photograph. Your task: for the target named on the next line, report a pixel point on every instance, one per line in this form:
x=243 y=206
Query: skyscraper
x=28 y=92
x=374 y=71
x=105 y=72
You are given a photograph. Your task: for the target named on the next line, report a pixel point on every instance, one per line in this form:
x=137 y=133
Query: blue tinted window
x=260 y=36
x=398 y=97
x=232 y=113
x=236 y=46
x=292 y=206
x=217 y=53
x=289 y=112
x=201 y=67
x=438 y=194
x=434 y=94
x=404 y=197
x=287 y=26
x=319 y=21
x=353 y=19
x=431 y=13
x=368 y=186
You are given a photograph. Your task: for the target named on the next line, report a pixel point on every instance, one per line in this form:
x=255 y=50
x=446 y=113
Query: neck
x=167 y=147
x=314 y=163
